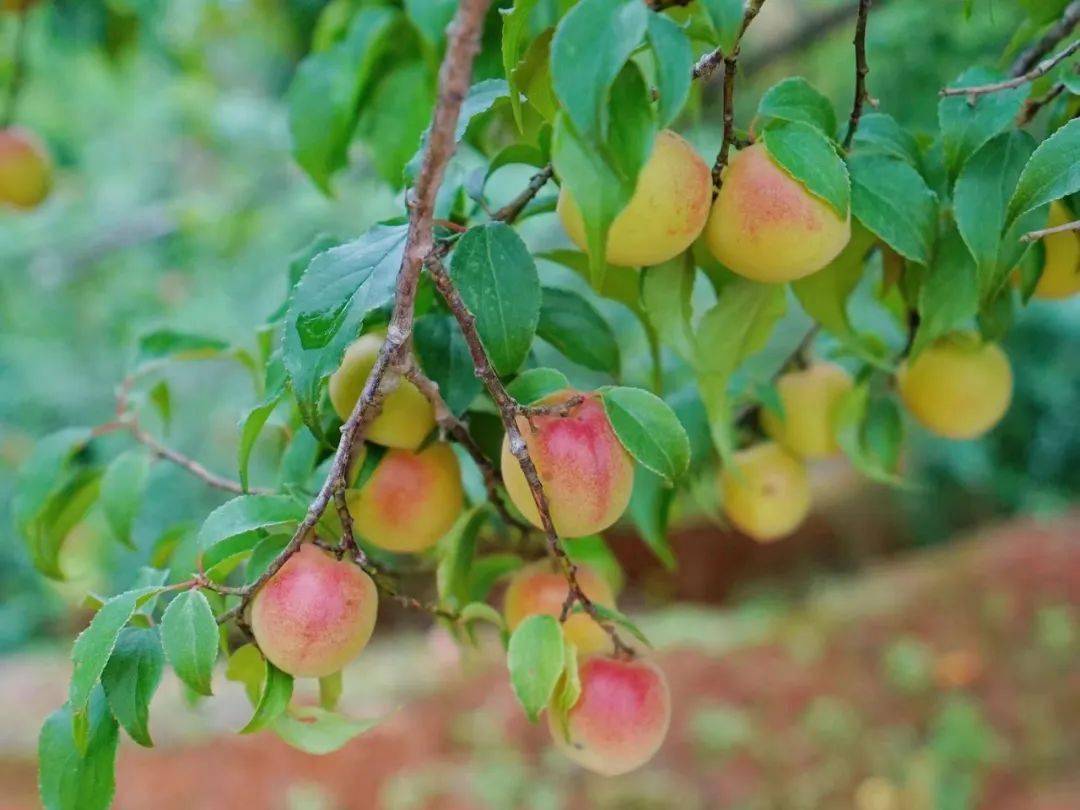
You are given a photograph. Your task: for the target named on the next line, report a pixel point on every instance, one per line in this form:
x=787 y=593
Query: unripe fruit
x=809 y=398
x=765 y=491
x=767 y=227
x=315 y=614
x=1061 y=270
x=406 y=417
x=665 y=214
x=25 y=170
x=410 y=500
x=586 y=474
x=958 y=387
x=621 y=718
x=540 y=588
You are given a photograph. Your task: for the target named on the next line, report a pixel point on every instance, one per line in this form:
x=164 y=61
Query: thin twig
x=190 y=464
x=18 y=70
x=1061 y=29
x=861 y=69
x=509 y=212
x=1033 y=105
x=1039 y=70
x=1032 y=236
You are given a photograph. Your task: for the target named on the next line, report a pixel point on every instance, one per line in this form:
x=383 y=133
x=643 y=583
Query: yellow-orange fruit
x=767 y=227
x=540 y=588
x=665 y=214
x=25 y=170
x=411 y=500
x=1061 y=270
x=621 y=718
x=406 y=417
x=586 y=473
x=765 y=492
x=958 y=387
x=314 y=615
x=809 y=398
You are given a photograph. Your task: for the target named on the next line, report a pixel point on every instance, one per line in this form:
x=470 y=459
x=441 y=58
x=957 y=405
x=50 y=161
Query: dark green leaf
x=965 y=126
x=431 y=17
x=122 y=490
x=795 y=99
x=189 y=634
x=949 y=296
x=535 y=659
x=891 y=199
x=277 y=689
x=444 y=356
x=131 y=677
x=74 y=779
x=1052 y=172
x=391 y=130
x=879 y=132
x=536 y=383
x=674 y=61
x=808 y=156
x=649 y=430
x=515 y=29
x=574 y=327
x=45 y=473
x=168 y=344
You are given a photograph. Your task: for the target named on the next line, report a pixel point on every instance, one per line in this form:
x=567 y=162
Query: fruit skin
x=665 y=214
x=406 y=418
x=958 y=387
x=809 y=397
x=767 y=227
x=410 y=500
x=314 y=615
x=765 y=491
x=25 y=169
x=586 y=473
x=621 y=718
x=540 y=588
x=1061 y=271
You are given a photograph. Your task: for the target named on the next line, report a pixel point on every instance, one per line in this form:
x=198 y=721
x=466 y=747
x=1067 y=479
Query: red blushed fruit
x=314 y=615
x=25 y=170
x=586 y=473
x=621 y=718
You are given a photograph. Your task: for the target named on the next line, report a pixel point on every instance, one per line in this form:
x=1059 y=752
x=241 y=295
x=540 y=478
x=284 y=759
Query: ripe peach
x=767 y=227
x=1061 y=270
x=809 y=397
x=586 y=473
x=665 y=214
x=621 y=718
x=315 y=614
x=541 y=588
x=411 y=500
x=765 y=492
x=406 y=418
x=958 y=387
x=25 y=170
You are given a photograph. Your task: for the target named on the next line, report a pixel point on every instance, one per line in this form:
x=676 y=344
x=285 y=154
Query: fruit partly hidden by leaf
x=765 y=491
x=407 y=417
x=315 y=614
x=1061 y=268
x=665 y=214
x=585 y=472
x=410 y=500
x=540 y=588
x=25 y=169
x=620 y=719
x=765 y=225
x=958 y=387
x=809 y=398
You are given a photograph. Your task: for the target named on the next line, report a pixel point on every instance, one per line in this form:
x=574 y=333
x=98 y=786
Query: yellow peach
x=540 y=588
x=809 y=398
x=25 y=170
x=765 y=491
x=1061 y=269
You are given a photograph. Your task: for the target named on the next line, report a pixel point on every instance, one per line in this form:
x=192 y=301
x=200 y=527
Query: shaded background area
x=839 y=666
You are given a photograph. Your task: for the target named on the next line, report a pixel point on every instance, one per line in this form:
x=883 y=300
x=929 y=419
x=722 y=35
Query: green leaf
x=617 y=618
x=277 y=689
x=456 y=552
x=727 y=18
x=593 y=551
x=533 y=76
x=568 y=689
x=870 y=435
x=807 y=155
x=317 y=731
x=391 y=130
x=330 y=691
x=879 y=132
x=515 y=28
x=45 y=473
x=591 y=45
x=264 y=552
x=131 y=677
x=445 y=358
x=481 y=612
x=794 y=99
x=536 y=383
x=160 y=398
x=247 y=666
x=325 y=94
x=122 y=490
x=674 y=61
x=488 y=570
x=966 y=126
x=497 y=279
x=74 y=779
x=665 y=294
x=341 y=288
x=535 y=659
x=649 y=430
x=650 y=506
x=431 y=18
x=62 y=514
x=1052 y=172
x=251 y=425
x=979 y=198
x=949 y=296
x=229 y=528
x=189 y=634
x=480 y=98
x=168 y=344
x=891 y=199
x=574 y=326
x=824 y=294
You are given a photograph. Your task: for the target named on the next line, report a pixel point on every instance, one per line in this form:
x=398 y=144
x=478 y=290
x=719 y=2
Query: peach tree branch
x=1061 y=29
x=862 y=96
x=1032 y=236
x=1039 y=70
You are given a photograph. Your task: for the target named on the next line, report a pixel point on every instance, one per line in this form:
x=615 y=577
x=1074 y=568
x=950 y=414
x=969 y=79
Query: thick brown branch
x=1057 y=32
x=1039 y=70
x=861 y=69
x=1032 y=236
